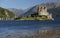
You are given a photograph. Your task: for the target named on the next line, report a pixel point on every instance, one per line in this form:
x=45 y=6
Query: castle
x=42 y=11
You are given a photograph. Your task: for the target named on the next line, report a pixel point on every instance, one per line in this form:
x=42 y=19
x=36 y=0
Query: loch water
x=7 y=27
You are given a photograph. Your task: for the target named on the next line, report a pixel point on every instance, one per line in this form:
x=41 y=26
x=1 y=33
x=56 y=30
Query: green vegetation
x=2 y=13
x=33 y=18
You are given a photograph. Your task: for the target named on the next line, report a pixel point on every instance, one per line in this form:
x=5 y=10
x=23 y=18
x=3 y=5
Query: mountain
x=3 y=13
x=18 y=12
x=53 y=7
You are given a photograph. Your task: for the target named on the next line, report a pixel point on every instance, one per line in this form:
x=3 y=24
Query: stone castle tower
x=42 y=11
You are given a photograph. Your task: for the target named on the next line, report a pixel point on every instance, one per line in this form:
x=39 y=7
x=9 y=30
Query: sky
x=22 y=4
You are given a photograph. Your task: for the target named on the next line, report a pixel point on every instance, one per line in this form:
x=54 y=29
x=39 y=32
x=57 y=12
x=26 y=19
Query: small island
x=41 y=14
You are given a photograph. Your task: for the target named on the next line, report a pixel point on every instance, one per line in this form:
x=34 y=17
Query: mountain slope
x=2 y=13
x=53 y=7
x=18 y=12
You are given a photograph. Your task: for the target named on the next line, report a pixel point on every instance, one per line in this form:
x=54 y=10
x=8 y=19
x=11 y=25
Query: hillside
x=53 y=7
x=2 y=13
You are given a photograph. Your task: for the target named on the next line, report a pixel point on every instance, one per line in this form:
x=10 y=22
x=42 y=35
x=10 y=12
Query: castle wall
x=43 y=11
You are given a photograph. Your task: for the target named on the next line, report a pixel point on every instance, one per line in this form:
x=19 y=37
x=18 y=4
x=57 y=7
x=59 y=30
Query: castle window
x=44 y=7
x=40 y=7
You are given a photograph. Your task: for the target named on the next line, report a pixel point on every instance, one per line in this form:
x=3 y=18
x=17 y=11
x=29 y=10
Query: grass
x=33 y=18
